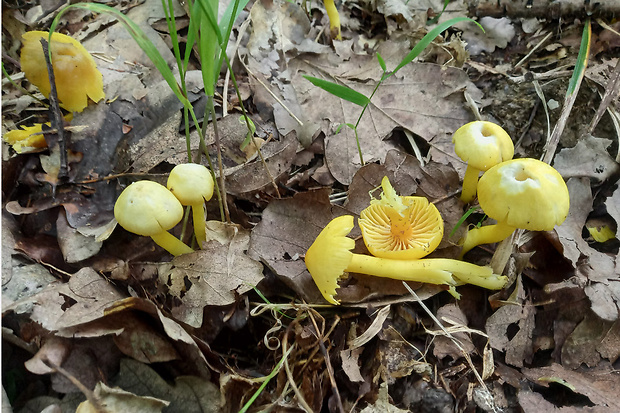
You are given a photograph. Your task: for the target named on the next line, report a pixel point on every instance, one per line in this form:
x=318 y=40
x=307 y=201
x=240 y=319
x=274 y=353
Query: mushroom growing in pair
x=76 y=75
x=482 y=145
x=521 y=193
x=330 y=256
x=149 y=209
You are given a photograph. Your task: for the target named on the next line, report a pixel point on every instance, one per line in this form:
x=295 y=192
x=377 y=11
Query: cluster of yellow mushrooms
x=150 y=209
x=399 y=231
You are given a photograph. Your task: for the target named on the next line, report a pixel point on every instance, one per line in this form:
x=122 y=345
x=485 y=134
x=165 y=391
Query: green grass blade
x=138 y=35
x=582 y=59
x=436 y=18
x=341 y=91
x=192 y=31
x=430 y=36
x=462 y=220
x=209 y=9
x=230 y=15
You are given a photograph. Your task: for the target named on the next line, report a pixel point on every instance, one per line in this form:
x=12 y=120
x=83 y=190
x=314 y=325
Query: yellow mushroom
x=521 y=193
x=76 y=74
x=28 y=139
x=149 y=209
x=330 y=256
x=334 y=19
x=400 y=227
x=192 y=184
x=482 y=145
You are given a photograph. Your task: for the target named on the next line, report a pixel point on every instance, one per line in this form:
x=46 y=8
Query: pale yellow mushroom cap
x=147 y=208
x=75 y=71
x=330 y=254
x=191 y=183
x=482 y=144
x=524 y=193
x=400 y=227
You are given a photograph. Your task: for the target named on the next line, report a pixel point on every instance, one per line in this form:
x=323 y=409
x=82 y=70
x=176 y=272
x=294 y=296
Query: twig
x=220 y=165
x=538 y=45
x=55 y=113
x=611 y=91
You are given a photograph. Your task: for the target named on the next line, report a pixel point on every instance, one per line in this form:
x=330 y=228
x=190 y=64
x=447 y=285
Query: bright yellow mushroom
x=28 y=139
x=330 y=256
x=521 y=193
x=75 y=71
x=192 y=184
x=149 y=209
x=482 y=145
x=400 y=227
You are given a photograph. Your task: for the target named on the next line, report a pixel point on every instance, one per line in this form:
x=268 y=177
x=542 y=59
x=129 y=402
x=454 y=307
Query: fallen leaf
x=511 y=329
x=216 y=275
x=453 y=318
x=589 y=158
x=118 y=400
x=600 y=385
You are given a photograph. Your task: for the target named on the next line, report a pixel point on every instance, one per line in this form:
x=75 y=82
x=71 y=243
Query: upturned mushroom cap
x=75 y=71
x=400 y=227
x=147 y=208
x=482 y=144
x=191 y=183
x=524 y=193
x=330 y=254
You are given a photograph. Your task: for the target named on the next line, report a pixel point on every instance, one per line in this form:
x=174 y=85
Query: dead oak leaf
x=216 y=273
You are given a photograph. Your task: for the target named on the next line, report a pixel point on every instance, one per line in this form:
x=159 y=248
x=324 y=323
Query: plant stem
x=218 y=146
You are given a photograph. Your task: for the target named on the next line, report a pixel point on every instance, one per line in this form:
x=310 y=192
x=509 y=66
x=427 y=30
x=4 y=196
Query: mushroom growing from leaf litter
x=482 y=145
x=75 y=71
x=149 y=209
x=192 y=184
x=522 y=193
x=330 y=256
x=400 y=227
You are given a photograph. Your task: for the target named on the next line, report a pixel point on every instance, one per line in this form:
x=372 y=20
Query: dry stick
x=569 y=100
x=220 y=165
x=55 y=113
x=330 y=368
x=527 y=56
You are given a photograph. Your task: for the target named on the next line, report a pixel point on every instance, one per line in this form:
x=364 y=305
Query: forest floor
x=93 y=314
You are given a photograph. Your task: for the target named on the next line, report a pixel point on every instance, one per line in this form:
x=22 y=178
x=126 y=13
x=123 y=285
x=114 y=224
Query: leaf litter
x=99 y=316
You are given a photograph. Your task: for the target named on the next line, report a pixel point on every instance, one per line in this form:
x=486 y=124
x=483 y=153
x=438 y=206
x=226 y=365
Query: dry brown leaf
x=596 y=267
x=422 y=98
x=600 y=385
x=589 y=158
x=217 y=273
x=444 y=346
x=511 y=328
x=118 y=400
x=592 y=339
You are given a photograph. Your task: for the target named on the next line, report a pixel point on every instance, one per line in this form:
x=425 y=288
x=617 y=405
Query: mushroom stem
x=470 y=183
x=429 y=270
x=171 y=244
x=486 y=235
x=334 y=18
x=199 y=217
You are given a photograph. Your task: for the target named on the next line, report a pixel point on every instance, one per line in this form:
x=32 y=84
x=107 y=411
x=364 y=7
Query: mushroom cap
x=524 y=193
x=191 y=183
x=75 y=71
x=482 y=144
x=400 y=227
x=330 y=254
x=147 y=208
